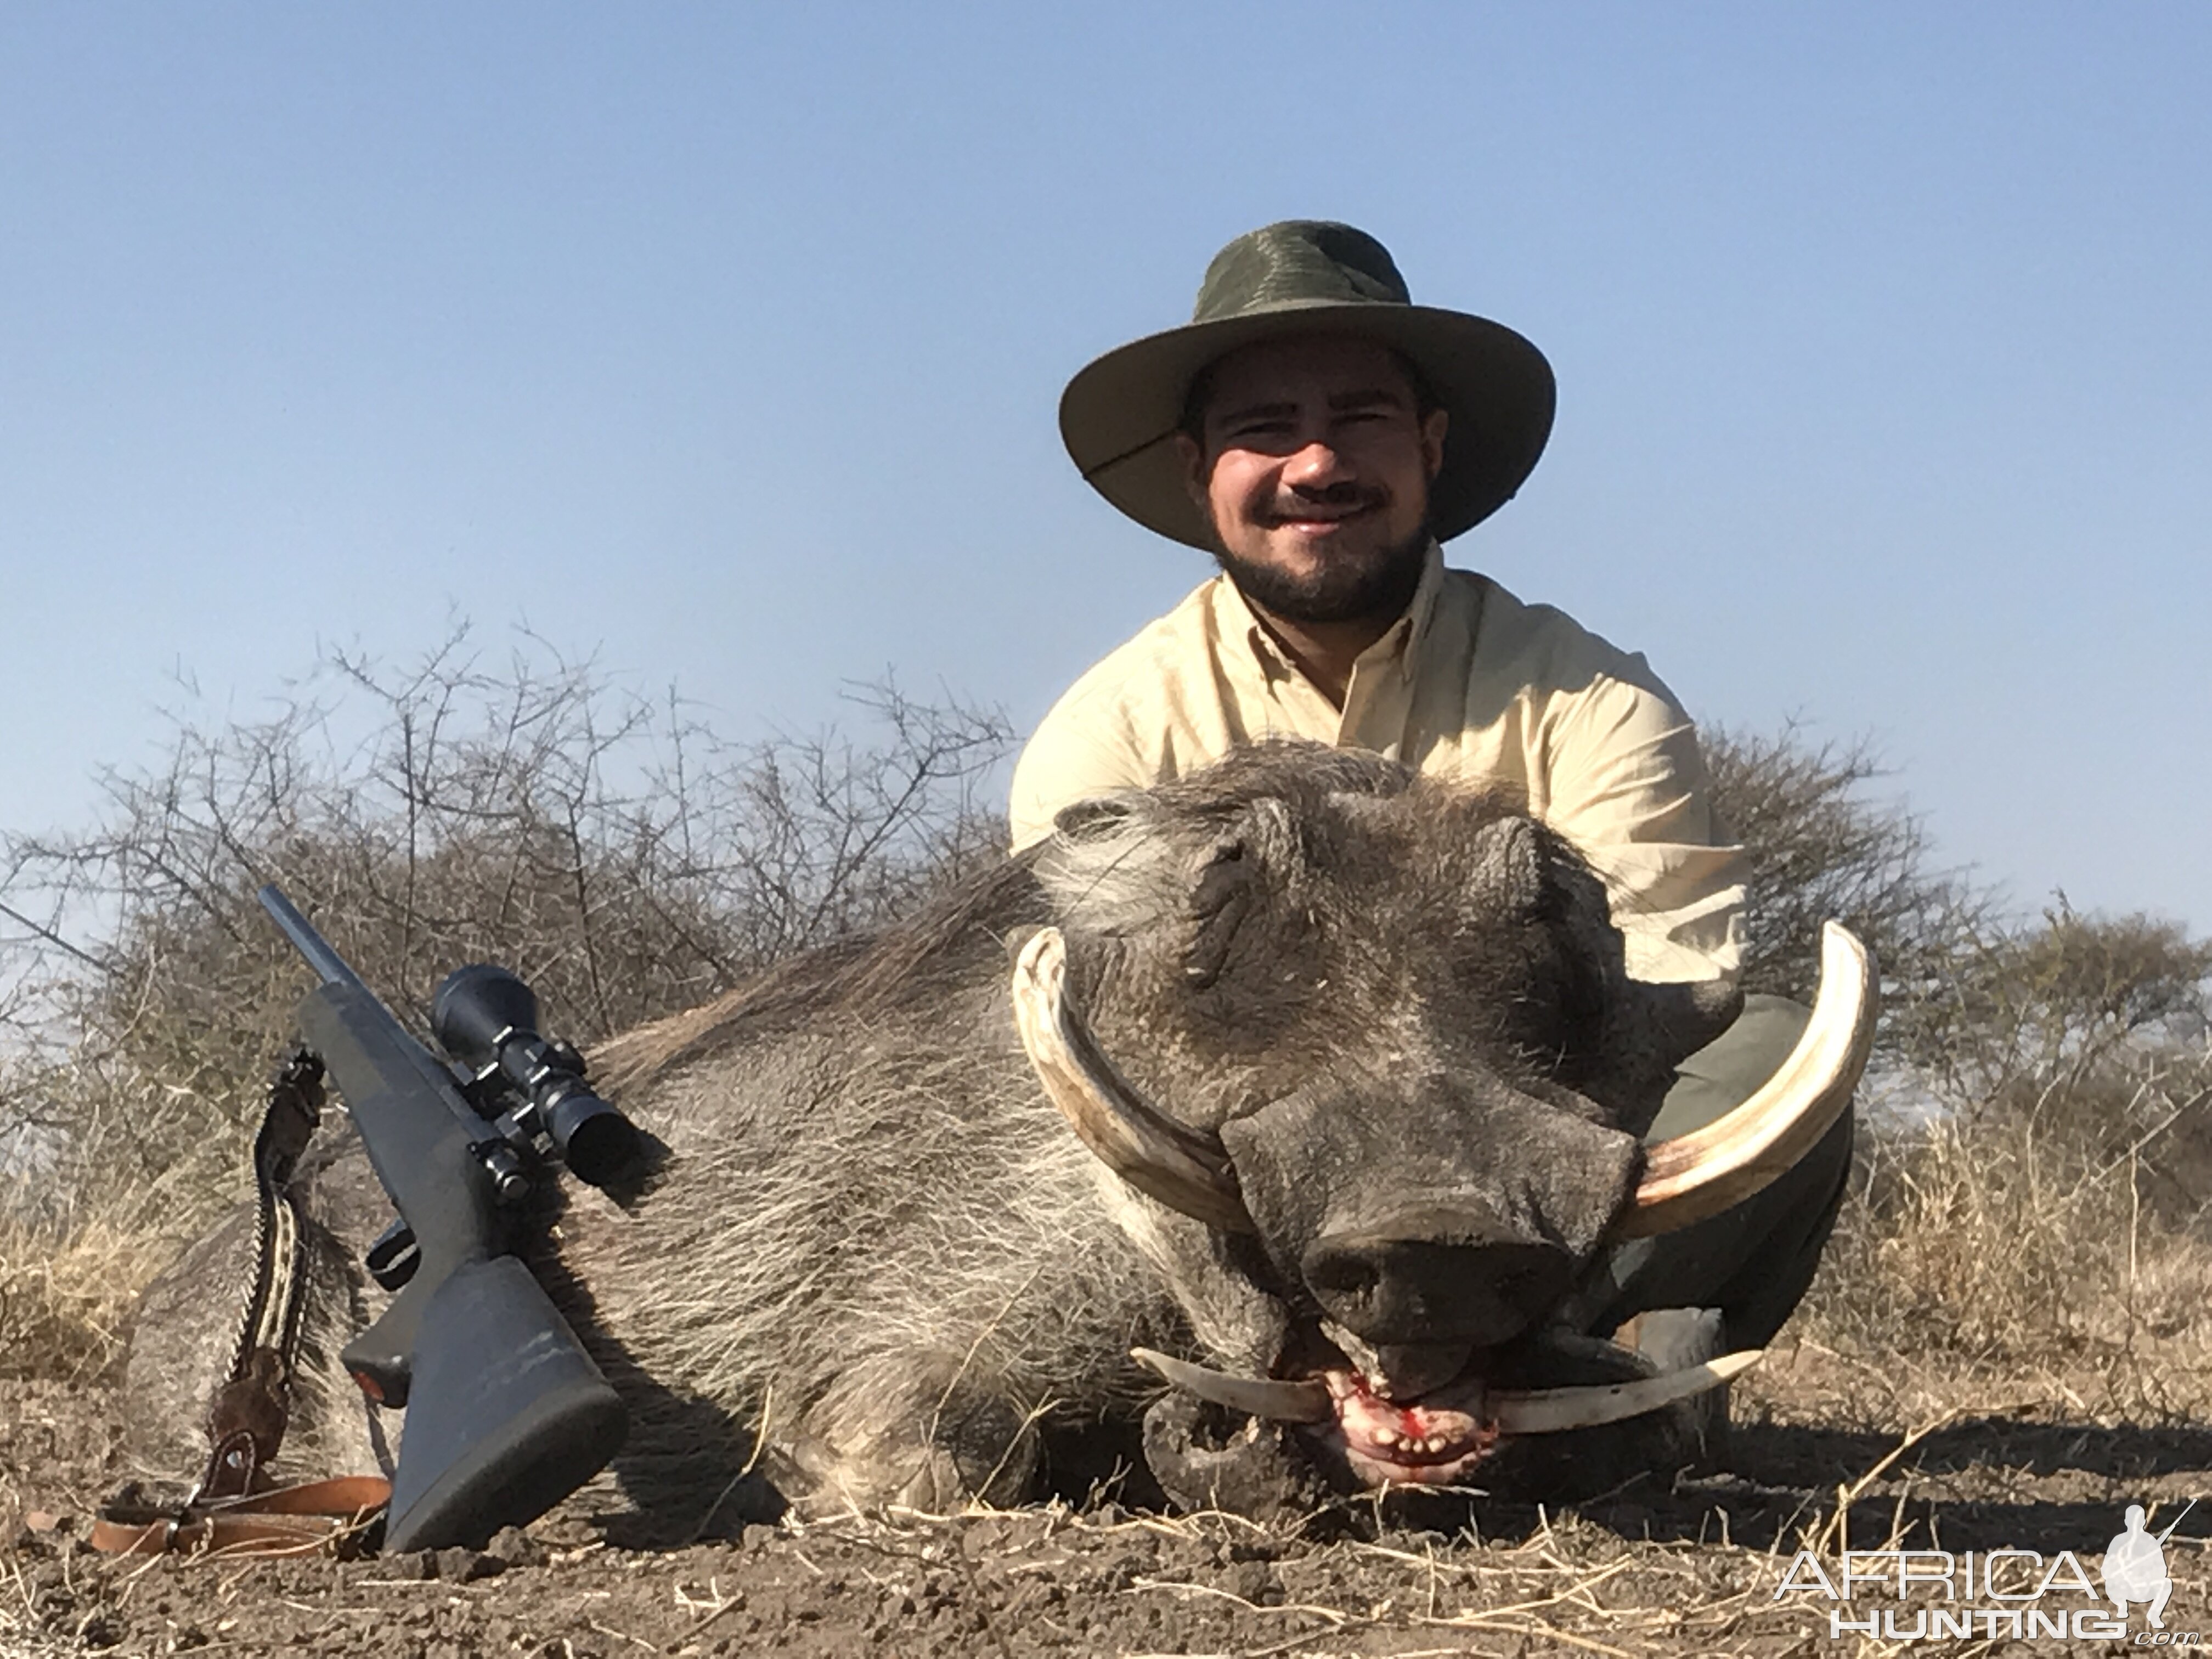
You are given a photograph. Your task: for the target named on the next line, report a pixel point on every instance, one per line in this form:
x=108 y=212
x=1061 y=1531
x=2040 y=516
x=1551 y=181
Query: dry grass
x=66 y=1298
x=2015 y=1256
x=1992 y=1253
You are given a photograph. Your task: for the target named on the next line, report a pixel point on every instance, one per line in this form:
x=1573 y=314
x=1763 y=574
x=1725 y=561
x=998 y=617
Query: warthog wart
x=1357 y=1080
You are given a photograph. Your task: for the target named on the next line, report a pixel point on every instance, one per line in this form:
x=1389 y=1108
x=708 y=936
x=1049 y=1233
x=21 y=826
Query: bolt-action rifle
x=506 y=1412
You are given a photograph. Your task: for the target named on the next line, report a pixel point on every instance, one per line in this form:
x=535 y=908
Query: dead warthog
x=1356 y=1078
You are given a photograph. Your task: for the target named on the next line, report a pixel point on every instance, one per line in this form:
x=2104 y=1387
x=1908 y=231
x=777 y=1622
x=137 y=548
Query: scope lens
x=596 y=1142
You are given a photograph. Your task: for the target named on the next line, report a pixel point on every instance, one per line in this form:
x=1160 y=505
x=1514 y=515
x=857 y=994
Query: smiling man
x=1320 y=436
x=1313 y=460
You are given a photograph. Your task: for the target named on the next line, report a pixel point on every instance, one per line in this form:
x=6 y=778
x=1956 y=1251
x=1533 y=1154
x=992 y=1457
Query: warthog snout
x=1431 y=1275
x=1391 y=1207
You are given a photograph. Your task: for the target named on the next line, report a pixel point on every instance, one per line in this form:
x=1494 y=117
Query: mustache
x=1336 y=498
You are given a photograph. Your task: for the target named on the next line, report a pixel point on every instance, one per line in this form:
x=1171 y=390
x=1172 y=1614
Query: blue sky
x=724 y=340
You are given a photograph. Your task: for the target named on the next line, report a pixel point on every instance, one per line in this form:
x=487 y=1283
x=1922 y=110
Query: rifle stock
x=509 y=1414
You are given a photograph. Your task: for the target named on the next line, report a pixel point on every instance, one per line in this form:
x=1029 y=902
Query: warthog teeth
x=1257 y=1396
x=1549 y=1411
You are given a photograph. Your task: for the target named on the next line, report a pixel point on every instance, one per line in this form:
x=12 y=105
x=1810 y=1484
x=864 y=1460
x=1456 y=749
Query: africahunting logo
x=2016 y=1595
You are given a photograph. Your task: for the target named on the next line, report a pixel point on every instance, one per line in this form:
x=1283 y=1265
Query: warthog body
x=1400 y=1007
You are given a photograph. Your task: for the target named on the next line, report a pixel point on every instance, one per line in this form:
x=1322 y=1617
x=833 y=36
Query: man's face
x=1314 y=465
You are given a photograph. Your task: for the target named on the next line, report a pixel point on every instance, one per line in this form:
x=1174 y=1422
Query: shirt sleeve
x=1628 y=786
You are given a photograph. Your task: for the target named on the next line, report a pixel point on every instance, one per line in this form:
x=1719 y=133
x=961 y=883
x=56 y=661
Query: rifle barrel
x=321 y=956
x=2176 y=1521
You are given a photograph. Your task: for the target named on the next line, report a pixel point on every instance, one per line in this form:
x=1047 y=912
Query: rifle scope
x=486 y=1018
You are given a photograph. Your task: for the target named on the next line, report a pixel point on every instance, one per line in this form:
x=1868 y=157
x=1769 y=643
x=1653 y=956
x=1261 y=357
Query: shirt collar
x=1397 y=646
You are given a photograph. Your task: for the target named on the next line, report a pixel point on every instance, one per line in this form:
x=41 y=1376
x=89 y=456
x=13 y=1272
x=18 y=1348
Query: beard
x=1370 y=586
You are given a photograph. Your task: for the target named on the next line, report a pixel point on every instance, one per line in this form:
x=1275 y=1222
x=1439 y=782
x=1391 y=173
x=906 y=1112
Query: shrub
x=612 y=850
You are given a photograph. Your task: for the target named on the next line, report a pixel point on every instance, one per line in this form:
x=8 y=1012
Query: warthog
x=1356 y=1077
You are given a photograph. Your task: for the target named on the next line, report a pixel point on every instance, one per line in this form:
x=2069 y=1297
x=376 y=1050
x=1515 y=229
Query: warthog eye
x=1342 y=1275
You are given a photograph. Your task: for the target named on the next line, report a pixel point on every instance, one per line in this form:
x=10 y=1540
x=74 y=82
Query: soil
x=1679 y=1563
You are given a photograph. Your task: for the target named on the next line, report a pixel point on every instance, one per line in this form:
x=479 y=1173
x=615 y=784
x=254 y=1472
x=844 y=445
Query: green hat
x=1306 y=277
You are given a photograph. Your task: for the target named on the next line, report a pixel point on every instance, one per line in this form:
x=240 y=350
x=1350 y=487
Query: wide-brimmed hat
x=1304 y=276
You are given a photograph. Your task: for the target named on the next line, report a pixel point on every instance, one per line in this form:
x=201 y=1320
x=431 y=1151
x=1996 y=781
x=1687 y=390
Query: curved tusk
x=1304 y=1401
x=1182 y=1168
x=1698 y=1175
x=1550 y=1411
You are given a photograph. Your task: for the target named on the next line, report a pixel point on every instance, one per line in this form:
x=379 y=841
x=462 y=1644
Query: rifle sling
x=283 y=1521
x=232 y=1508
x=246 y=1418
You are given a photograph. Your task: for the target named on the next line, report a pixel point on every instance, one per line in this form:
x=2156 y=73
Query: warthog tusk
x=1512 y=1411
x=1256 y=1396
x=1697 y=1176
x=1549 y=1411
x=1184 y=1169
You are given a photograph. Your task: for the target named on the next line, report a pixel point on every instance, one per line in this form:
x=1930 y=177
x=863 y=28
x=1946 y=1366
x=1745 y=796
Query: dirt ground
x=1668 y=1563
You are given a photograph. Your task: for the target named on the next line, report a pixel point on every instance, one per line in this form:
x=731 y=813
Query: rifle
x=506 y=1412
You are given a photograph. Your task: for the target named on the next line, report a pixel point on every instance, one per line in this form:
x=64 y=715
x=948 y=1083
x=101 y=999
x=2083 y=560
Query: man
x=1321 y=435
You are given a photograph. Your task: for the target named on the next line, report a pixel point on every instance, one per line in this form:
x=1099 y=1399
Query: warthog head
x=1368 y=1045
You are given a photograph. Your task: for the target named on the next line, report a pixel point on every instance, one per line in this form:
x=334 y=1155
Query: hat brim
x=1120 y=414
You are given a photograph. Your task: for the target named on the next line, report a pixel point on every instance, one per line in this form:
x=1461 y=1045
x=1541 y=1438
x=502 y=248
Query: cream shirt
x=1469 y=684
